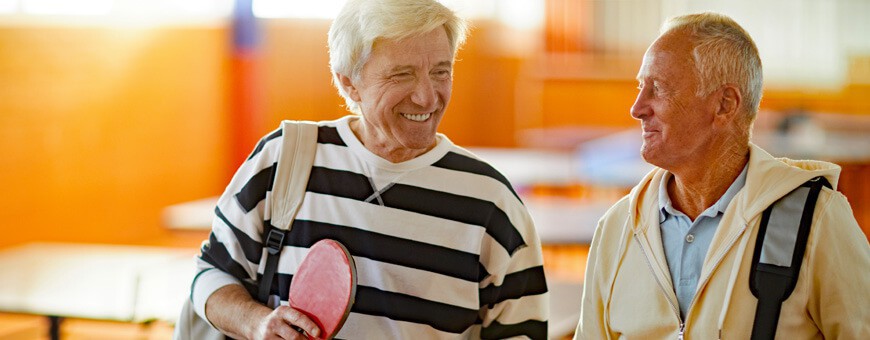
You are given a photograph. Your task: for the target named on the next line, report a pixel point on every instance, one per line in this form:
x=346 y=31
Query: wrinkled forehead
x=429 y=47
x=670 y=55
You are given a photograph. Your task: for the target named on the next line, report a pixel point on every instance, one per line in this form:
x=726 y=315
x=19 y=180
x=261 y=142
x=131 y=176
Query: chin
x=418 y=142
x=649 y=156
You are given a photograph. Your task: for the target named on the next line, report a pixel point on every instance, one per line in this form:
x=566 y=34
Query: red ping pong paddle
x=324 y=287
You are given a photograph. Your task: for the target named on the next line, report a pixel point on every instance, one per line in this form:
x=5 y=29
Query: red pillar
x=247 y=120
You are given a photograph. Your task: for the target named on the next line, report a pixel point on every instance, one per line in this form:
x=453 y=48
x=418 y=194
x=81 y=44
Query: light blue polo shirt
x=686 y=242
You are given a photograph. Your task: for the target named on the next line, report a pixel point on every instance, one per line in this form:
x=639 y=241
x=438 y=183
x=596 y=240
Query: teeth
x=417 y=118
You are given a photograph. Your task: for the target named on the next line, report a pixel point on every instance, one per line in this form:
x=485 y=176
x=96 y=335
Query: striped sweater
x=444 y=247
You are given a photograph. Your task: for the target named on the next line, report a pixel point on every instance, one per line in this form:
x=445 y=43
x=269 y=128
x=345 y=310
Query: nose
x=424 y=93
x=641 y=107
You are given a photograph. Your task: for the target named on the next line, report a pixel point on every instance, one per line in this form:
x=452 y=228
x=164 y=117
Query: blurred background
x=119 y=119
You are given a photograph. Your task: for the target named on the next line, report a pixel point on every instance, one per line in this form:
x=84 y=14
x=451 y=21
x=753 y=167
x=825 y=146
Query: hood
x=767 y=180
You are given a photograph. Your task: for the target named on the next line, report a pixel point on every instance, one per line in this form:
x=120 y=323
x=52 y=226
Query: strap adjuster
x=275 y=241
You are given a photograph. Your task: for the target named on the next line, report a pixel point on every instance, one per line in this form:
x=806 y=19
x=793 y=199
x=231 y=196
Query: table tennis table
x=90 y=281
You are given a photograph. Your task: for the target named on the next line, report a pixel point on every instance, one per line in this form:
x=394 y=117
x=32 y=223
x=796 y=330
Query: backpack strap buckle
x=274 y=241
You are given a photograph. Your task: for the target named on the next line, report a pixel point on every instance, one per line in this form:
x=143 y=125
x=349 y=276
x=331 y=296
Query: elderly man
x=443 y=246
x=673 y=258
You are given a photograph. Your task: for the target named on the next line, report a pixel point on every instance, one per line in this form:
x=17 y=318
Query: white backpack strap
x=294 y=166
x=288 y=190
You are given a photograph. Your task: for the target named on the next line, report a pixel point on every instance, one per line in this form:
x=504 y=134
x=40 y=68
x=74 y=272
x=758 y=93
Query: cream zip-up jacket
x=629 y=294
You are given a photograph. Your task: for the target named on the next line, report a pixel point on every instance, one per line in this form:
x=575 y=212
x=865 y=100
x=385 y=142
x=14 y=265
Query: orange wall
x=101 y=128
x=588 y=102
x=852 y=99
x=295 y=72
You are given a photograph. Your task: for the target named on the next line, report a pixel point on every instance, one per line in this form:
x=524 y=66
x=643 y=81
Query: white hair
x=724 y=53
x=361 y=22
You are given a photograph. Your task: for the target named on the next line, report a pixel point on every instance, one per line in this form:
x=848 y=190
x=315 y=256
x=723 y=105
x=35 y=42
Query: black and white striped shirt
x=444 y=247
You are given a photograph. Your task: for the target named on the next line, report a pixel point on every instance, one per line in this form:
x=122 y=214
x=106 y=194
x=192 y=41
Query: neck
x=382 y=146
x=699 y=186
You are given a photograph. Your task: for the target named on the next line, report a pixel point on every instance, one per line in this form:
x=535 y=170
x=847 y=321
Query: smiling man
x=444 y=248
x=674 y=258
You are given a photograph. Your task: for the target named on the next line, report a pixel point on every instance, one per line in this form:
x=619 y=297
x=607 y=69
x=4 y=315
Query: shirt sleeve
x=233 y=251
x=839 y=261
x=514 y=298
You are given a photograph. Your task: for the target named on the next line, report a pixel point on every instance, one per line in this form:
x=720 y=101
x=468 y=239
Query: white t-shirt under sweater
x=444 y=247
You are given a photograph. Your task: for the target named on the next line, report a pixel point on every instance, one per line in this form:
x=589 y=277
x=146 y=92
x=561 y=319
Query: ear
x=347 y=84
x=729 y=101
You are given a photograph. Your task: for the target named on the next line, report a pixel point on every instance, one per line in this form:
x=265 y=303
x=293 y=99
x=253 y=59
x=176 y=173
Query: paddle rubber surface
x=324 y=286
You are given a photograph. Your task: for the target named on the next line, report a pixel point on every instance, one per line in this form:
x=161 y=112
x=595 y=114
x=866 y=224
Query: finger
x=288 y=333
x=296 y=318
x=280 y=329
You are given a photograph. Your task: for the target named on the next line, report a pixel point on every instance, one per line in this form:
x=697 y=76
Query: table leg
x=54 y=327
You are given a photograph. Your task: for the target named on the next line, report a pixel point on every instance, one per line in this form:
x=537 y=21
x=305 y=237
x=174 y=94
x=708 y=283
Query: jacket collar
x=767 y=179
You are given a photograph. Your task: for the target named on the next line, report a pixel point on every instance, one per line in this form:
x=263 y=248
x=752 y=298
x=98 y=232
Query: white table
x=102 y=282
x=192 y=215
x=565 y=300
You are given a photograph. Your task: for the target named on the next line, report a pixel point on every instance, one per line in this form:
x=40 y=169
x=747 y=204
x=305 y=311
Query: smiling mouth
x=417 y=118
x=649 y=133
x=646 y=130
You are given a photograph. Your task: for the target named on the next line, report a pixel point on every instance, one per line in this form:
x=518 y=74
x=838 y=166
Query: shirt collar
x=666 y=208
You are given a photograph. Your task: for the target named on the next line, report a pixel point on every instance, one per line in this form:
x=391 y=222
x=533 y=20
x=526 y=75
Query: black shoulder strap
x=273 y=243
x=779 y=252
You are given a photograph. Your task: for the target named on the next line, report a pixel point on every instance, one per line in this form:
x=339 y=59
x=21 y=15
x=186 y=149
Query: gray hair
x=724 y=53
x=361 y=22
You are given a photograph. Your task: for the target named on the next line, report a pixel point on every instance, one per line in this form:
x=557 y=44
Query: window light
x=8 y=6
x=67 y=7
x=320 y=9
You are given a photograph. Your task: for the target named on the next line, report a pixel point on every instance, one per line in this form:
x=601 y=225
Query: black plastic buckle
x=275 y=241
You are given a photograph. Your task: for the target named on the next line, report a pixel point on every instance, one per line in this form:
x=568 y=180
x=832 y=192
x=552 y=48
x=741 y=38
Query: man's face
x=676 y=122
x=403 y=90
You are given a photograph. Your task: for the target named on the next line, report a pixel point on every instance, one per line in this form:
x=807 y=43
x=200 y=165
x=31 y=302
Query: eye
x=401 y=76
x=658 y=89
x=441 y=74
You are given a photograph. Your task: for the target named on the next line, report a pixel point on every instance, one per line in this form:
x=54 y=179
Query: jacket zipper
x=662 y=287
x=715 y=264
